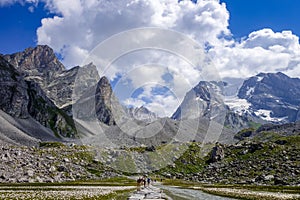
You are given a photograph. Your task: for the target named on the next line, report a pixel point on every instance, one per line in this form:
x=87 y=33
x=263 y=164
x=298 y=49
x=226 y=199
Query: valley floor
x=62 y=192
x=108 y=190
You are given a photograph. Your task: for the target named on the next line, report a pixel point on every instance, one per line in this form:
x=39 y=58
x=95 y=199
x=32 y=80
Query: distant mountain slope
x=272 y=97
x=142 y=113
x=206 y=100
x=266 y=97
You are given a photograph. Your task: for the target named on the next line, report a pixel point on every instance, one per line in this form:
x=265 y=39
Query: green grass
x=192 y=160
x=125 y=164
x=51 y=144
x=119 y=195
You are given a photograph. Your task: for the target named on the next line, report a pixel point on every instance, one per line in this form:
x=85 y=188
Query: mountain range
x=42 y=101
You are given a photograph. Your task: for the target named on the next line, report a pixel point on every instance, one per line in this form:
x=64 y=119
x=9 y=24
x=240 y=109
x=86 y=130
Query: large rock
x=217 y=153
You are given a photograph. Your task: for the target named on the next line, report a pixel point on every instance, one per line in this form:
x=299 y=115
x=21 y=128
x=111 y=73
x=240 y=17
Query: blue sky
x=19 y=24
x=19 y=27
x=247 y=16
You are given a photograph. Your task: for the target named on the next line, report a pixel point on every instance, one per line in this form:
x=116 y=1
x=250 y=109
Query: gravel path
x=148 y=193
x=190 y=194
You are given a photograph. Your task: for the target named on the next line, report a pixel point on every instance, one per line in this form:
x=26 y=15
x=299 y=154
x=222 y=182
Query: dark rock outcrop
x=103 y=98
x=217 y=153
x=13 y=91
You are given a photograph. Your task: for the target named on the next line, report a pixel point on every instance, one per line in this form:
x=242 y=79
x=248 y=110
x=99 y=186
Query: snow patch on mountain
x=240 y=106
x=250 y=91
x=266 y=115
x=259 y=78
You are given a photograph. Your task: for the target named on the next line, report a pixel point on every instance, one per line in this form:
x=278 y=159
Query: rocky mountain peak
x=24 y=99
x=40 y=58
x=272 y=96
x=201 y=101
x=41 y=65
x=104 y=82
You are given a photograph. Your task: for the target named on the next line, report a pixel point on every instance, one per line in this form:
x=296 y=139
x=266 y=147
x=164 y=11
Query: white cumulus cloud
x=261 y=51
x=84 y=24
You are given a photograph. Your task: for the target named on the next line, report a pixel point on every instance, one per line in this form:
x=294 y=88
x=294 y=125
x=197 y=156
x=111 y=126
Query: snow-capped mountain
x=201 y=101
x=272 y=97
x=266 y=97
x=206 y=100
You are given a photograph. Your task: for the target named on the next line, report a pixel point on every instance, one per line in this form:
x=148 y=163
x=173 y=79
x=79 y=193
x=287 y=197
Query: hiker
x=138 y=183
x=144 y=180
x=148 y=181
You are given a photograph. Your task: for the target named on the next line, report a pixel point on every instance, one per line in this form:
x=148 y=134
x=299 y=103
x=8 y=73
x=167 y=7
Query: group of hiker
x=143 y=181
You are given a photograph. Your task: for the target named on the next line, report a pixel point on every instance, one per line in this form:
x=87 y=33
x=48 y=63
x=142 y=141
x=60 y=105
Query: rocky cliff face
x=41 y=108
x=13 y=92
x=41 y=66
x=273 y=97
x=103 y=96
x=96 y=101
x=25 y=99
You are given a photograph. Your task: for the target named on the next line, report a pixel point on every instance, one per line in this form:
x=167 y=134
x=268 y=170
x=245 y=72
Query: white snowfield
x=266 y=115
x=238 y=105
